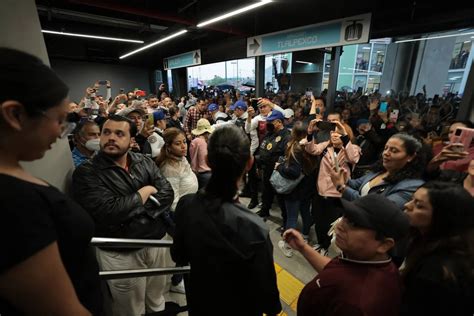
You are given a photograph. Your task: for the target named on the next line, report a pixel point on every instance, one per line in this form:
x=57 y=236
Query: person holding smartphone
x=337 y=152
x=453 y=156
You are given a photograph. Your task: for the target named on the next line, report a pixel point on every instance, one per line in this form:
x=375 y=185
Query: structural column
x=333 y=74
x=22 y=30
x=260 y=76
x=466 y=109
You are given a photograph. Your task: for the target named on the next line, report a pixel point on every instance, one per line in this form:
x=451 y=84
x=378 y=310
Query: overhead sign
x=183 y=60
x=348 y=31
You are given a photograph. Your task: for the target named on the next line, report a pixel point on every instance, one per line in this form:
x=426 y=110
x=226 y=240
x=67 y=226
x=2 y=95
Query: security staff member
x=272 y=147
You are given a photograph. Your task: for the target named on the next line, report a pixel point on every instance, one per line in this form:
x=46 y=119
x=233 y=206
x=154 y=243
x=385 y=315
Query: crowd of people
x=387 y=183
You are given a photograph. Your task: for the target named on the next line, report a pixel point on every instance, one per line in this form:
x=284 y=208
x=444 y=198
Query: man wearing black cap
x=363 y=280
x=272 y=147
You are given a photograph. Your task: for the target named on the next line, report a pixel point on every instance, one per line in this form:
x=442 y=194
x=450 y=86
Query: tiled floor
x=296 y=270
x=292 y=273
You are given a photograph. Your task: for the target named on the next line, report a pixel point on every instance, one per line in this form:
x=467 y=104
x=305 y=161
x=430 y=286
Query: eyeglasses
x=66 y=127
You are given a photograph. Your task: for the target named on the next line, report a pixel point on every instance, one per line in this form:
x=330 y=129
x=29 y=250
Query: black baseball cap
x=378 y=213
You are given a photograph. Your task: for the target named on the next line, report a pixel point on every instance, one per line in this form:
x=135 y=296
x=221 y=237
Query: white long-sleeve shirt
x=252 y=128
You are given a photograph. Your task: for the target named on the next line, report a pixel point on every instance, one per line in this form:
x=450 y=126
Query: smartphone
x=318 y=110
x=150 y=119
x=254 y=104
x=122 y=90
x=394 y=115
x=464 y=136
x=336 y=162
x=154 y=200
x=383 y=107
x=326 y=126
x=102 y=82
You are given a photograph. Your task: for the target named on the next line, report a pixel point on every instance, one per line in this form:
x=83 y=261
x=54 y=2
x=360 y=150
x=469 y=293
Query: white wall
x=21 y=30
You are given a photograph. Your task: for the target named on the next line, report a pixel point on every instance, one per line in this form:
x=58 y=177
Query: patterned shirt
x=192 y=117
x=78 y=157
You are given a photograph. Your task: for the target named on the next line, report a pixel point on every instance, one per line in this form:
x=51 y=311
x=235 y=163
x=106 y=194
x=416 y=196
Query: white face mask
x=93 y=144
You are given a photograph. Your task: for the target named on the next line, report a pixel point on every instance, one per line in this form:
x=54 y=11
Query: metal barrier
x=137 y=273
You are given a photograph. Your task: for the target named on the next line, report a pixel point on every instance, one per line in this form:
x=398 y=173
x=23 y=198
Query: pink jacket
x=349 y=154
x=198 y=153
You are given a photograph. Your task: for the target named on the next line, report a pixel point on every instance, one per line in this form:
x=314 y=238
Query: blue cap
x=276 y=115
x=239 y=105
x=212 y=107
x=158 y=115
x=362 y=121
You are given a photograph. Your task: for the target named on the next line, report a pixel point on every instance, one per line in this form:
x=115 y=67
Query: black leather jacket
x=110 y=194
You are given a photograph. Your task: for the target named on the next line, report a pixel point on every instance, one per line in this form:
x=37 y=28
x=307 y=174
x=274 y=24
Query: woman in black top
x=438 y=272
x=224 y=242
x=47 y=266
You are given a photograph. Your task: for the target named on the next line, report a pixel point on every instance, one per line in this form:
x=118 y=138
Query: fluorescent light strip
x=238 y=11
x=93 y=36
x=433 y=37
x=303 y=62
x=154 y=43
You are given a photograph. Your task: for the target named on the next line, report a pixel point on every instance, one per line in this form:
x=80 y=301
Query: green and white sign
x=347 y=31
x=183 y=60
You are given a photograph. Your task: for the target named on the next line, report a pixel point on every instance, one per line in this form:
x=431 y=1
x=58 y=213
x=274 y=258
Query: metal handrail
x=129 y=243
x=138 y=273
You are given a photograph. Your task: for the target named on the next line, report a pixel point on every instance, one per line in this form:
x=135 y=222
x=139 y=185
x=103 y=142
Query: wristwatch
x=340 y=188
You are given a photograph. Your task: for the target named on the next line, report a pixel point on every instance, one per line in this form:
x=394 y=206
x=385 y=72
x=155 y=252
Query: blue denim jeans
x=293 y=207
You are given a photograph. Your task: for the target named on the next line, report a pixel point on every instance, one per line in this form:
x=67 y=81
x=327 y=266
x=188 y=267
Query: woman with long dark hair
x=396 y=176
x=174 y=166
x=176 y=169
x=47 y=266
x=297 y=161
x=225 y=243
x=438 y=272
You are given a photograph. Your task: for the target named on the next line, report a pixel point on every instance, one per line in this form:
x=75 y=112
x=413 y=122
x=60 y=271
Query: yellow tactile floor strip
x=289 y=287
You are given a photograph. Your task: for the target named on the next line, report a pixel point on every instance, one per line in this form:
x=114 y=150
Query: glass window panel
x=378 y=58
x=362 y=59
x=360 y=82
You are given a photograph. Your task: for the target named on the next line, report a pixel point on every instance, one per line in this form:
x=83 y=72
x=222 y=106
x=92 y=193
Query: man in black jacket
x=117 y=188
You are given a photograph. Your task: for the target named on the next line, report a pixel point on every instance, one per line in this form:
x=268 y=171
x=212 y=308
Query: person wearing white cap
x=256 y=127
x=289 y=115
x=198 y=151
